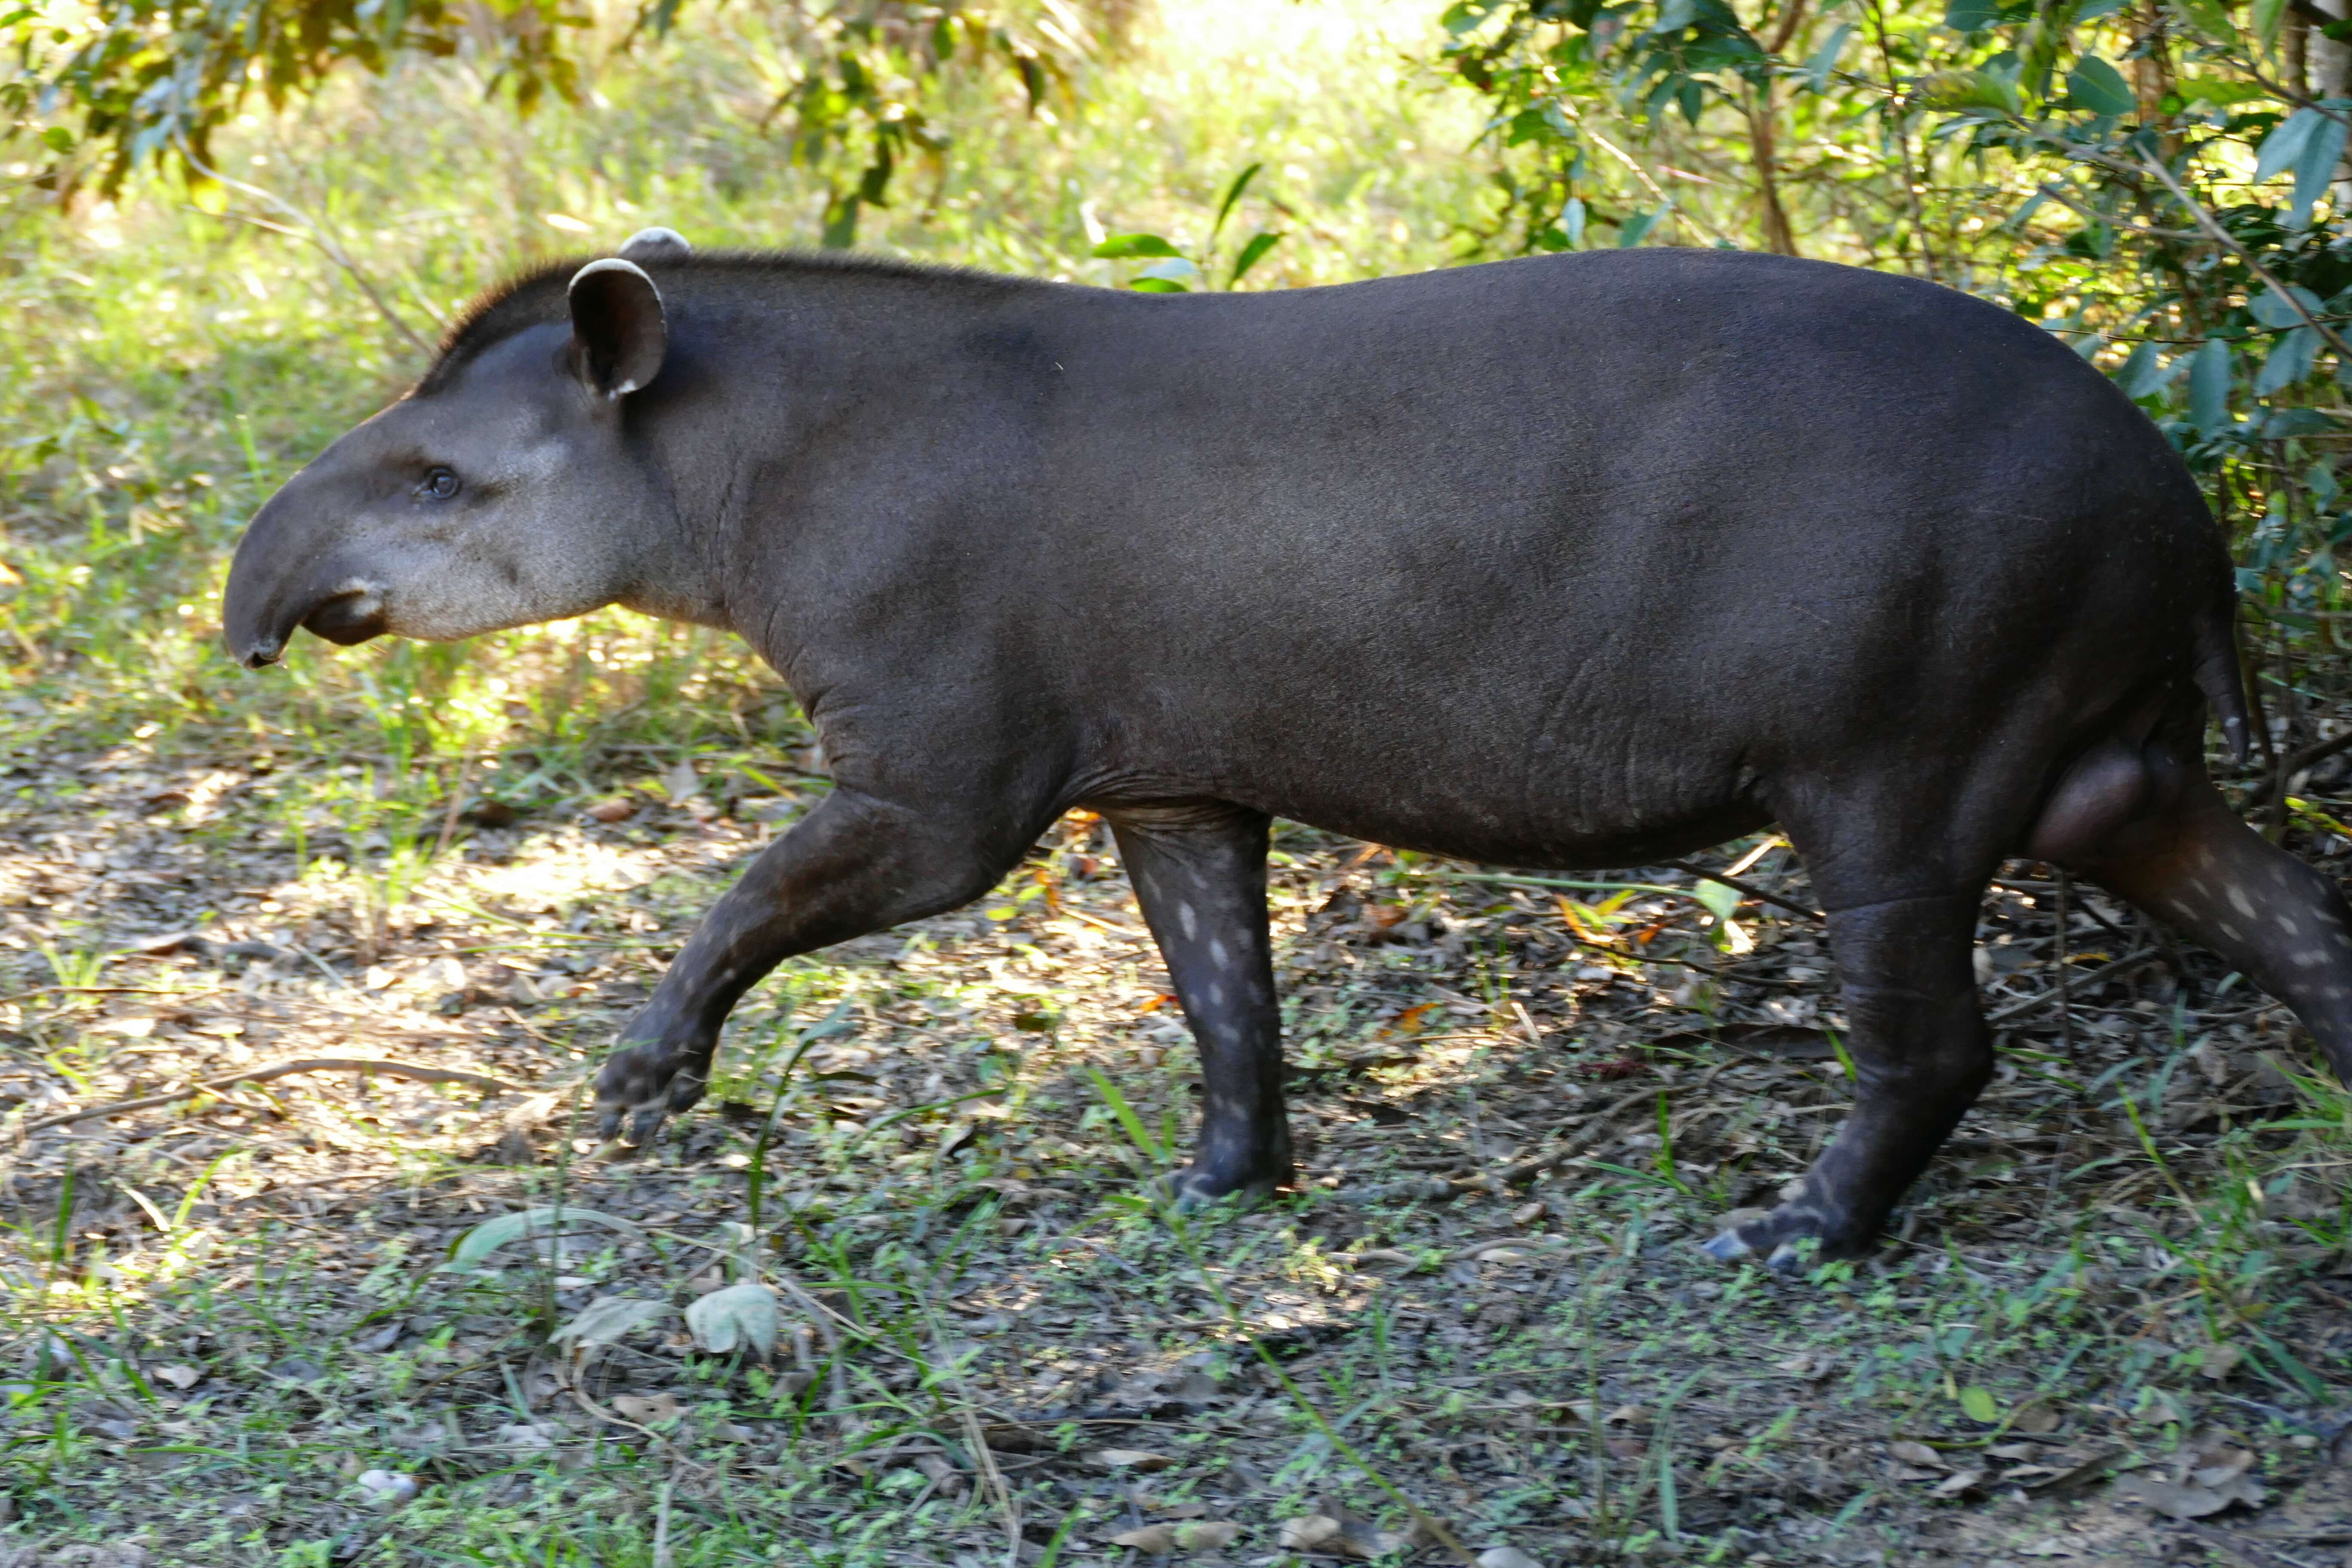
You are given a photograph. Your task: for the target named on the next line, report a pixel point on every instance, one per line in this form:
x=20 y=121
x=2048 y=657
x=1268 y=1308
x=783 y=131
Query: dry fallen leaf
x=2220 y=1361
x=612 y=810
x=1156 y=1539
x=1954 y=1485
x=1207 y=1535
x=1128 y=1460
x=1159 y=1540
x=2036 y=1419
x=1307 y=1534
x=180 y=1376
x=1918 y=1454
x=644 y=1409
x=1505 y=1557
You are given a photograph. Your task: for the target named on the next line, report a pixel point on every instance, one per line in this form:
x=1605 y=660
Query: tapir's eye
x=440 y=484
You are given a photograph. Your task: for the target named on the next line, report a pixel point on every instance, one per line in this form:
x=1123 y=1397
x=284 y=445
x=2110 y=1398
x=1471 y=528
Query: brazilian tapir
x=1580 y=560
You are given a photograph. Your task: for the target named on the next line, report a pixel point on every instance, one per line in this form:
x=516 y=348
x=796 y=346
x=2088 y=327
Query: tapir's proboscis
x=1574 y=562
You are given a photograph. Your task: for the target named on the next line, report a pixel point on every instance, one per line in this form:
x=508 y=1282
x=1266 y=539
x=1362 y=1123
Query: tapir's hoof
x=642 y=1087
x=1195 y=1187
x=1779 y=1240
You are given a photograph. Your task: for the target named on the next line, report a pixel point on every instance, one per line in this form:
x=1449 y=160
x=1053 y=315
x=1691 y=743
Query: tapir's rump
x=1578 y=561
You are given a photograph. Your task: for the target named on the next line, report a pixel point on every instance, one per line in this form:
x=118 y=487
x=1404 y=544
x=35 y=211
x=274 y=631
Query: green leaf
x=1252 y=254
x=1571 y=221
x=2286 y=141
x=57 y=138
x=1963 y=89
x=1120 y=245
x=2218 y=90
x=1233 y=195
x=1175 y=270
x=2315 y=170
x=2096 y=86
x=1824 y=59
x=2289 y=422
x=1637 y=228
x=2267 y=15
x=1158 y=286
x=1970 y=15
x=2273 y=309
x=1721 y=902
x=1976 y=1400
x=607 y=1319
x=2289 y=362
x=2145 y=374
x=492 y=1234
x=2209 y=385
x=2206 y=17
x=742 y=1314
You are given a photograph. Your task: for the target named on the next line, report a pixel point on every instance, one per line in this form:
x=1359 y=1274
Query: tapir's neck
x=812 y=421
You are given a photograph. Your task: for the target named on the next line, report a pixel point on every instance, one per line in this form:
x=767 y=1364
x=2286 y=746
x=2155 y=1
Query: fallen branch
x=413 y=1072
x=1589 y=1131
x=2065 y=987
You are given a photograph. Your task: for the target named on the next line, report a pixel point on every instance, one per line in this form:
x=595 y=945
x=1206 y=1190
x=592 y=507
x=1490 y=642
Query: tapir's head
x=503 y=491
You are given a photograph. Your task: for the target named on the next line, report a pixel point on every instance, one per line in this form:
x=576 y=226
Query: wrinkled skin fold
x=1578 y=562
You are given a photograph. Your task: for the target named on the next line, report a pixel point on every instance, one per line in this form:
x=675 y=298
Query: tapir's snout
x=286 y=575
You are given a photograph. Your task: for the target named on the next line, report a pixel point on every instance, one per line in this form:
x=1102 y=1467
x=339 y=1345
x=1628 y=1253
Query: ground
x=283 y=1322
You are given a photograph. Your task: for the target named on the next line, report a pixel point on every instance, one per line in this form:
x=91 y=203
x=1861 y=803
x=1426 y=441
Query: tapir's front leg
x=852 y=866
x=1200 y=874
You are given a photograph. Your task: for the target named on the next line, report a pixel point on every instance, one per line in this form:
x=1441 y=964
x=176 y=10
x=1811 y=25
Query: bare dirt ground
x=264 y=1322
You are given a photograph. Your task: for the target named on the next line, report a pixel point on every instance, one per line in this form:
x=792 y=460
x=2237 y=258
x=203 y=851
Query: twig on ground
x=2067 y=986
x=1588 y=1128
x=413 y=1072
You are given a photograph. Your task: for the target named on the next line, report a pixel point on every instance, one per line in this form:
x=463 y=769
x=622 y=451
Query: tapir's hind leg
x=2190 y=861
x=1920 y=1055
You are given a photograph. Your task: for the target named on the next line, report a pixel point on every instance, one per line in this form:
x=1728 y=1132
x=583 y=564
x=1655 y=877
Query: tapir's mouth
x=351 y=616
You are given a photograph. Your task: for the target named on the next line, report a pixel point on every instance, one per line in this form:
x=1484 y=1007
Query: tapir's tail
x=2219 y=676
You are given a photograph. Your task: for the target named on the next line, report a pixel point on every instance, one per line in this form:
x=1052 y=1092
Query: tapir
x=1579 y=561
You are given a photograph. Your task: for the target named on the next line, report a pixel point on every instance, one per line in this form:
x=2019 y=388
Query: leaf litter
x=912 y=1302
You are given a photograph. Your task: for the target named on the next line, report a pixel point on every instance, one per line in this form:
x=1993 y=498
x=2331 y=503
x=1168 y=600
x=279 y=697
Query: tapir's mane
x=538 y=295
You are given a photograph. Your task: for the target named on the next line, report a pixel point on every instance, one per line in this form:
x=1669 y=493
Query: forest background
x=906 y=1306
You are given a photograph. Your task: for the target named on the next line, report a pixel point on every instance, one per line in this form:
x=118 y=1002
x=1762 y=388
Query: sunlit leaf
x=1120 y=245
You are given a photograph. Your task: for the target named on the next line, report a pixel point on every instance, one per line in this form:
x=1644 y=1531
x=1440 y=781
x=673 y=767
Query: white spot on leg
x=2287 y=924
x=1191 y=919
x=2230 y=930
x=2310 y=958
x=2198 y=885
x=1217 y=995
x=1217 y=950
x=2240 y=903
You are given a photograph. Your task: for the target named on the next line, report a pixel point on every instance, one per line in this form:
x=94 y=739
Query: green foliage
x=139 y=81
x=2152 y=182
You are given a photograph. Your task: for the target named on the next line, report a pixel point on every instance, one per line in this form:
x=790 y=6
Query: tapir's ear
x=618 y=332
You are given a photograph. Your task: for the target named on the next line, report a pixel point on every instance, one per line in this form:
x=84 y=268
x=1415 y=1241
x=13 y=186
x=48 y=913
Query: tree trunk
x=1778 y=237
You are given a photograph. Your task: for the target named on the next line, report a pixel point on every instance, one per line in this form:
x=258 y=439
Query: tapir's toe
x=641 y=1088
x=1780 y=1238
x=1196 y=1187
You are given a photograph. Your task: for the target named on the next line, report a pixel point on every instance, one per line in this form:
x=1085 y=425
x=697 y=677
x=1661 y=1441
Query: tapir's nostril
x=264 y=655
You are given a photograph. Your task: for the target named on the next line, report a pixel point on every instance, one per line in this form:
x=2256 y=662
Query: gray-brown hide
x=1576 y=562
